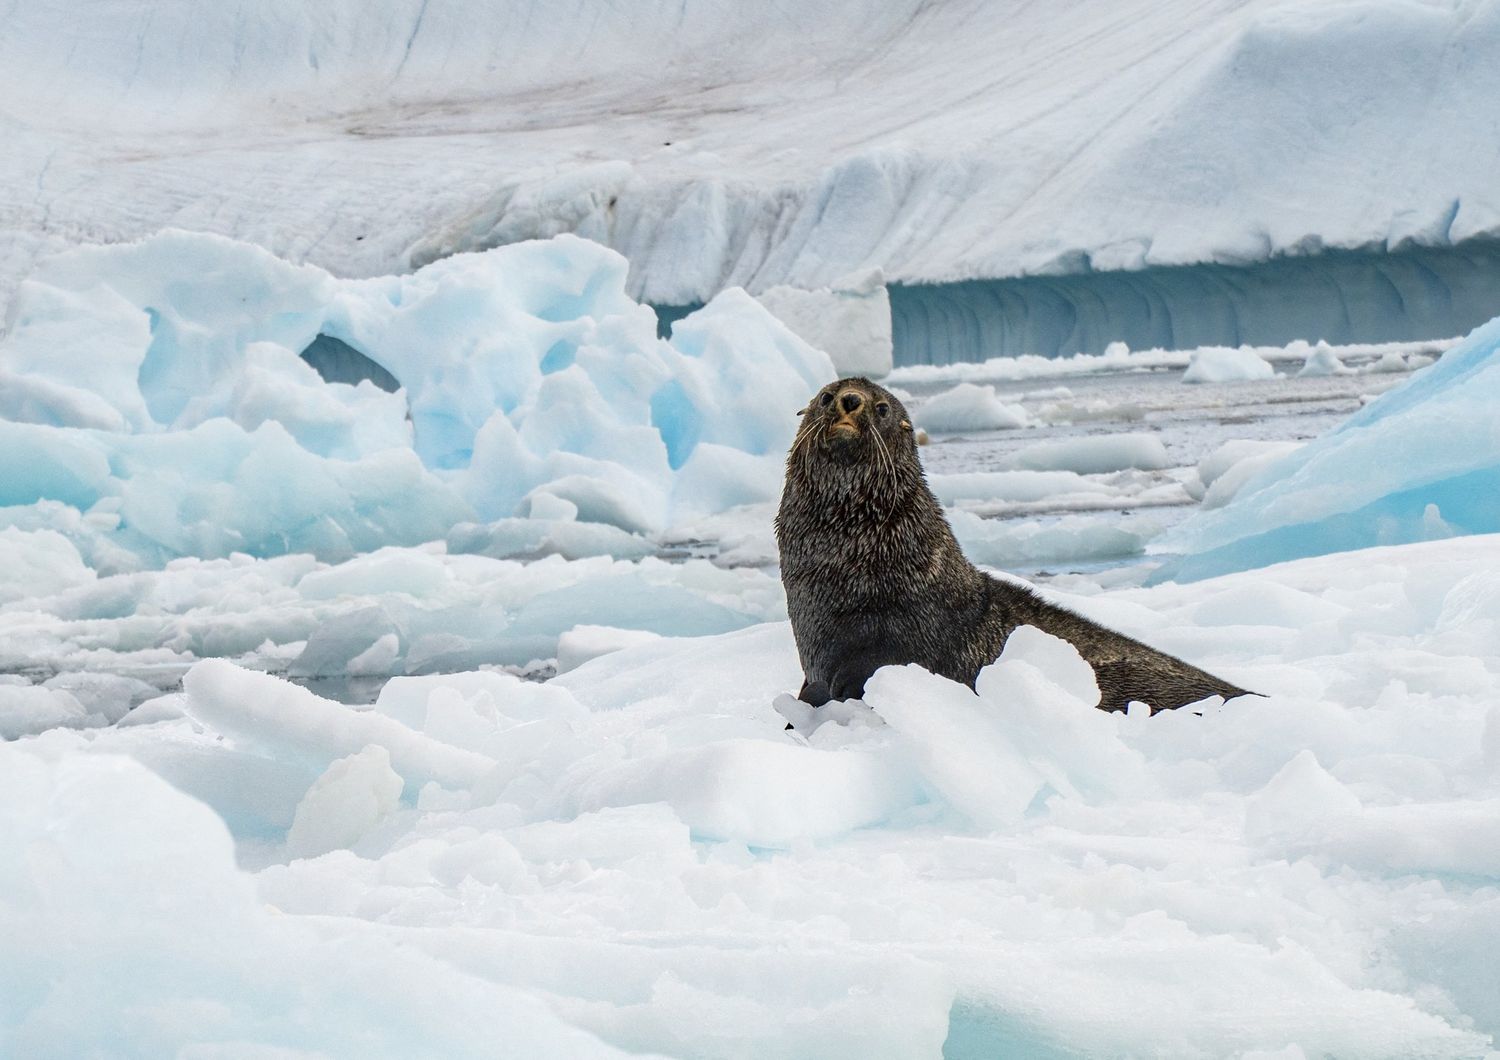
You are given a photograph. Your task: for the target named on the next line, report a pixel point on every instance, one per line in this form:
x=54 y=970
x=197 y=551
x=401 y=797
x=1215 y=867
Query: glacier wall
x=714 y=146
x=1338 y=296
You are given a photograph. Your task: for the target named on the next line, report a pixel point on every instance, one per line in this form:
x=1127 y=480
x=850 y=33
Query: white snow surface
x=716 y=147
x=636 y=856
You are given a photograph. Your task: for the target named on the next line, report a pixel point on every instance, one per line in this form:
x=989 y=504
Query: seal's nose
x=850 y=401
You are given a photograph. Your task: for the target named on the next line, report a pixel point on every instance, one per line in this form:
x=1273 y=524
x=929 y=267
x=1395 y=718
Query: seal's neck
x=838 y=515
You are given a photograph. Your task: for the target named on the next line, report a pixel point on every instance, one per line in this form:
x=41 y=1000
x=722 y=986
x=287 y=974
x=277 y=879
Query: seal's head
x=853 y=431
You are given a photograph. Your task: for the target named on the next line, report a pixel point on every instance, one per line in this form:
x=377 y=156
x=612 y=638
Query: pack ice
x=157 y=389
x=635 y=857
x=1420 y=462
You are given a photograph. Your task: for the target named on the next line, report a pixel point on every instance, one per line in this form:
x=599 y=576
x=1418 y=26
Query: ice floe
x=637 y=855
x=968 y=407
x=1419 y=462
x=1215 y=364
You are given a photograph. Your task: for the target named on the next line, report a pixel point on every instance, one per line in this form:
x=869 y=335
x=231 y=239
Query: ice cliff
x=714 y=147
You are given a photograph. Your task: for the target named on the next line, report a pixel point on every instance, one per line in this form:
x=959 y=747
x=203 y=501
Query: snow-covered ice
x=26 y=709
x=129 y=931
x=352 y=796
x=1069 y=539
x=582 y=643
x=389 y=612
x=561 y=813
x=1223 y=472
x=1322 y=360
x=636 y=856
x=968 y=407
x=1095 y=454
x=716 y=148
x=1223 y=364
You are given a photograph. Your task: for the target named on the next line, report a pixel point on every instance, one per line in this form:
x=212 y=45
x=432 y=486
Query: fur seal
x=874 y=575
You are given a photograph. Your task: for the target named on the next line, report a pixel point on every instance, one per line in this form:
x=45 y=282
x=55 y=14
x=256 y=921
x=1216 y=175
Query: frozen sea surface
x=203 y=851
x=1116 y=407
x=1113 y=451
x=636 y=856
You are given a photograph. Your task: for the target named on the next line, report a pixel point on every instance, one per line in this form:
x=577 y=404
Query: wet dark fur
x=873 y=574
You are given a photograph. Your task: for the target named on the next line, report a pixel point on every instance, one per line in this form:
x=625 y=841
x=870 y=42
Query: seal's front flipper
x=814 y=693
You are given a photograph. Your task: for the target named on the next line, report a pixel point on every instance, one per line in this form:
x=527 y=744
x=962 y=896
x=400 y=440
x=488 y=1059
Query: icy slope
x=637 y=851
x=718 y=144
x=1421 y=462
x=157 y=388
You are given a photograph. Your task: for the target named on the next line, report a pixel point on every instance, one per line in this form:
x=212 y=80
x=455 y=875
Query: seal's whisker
x=803 y=434
x=885 y=454
x=802 y=443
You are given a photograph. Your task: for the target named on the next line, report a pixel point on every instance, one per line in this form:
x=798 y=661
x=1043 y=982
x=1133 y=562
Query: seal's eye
x=826 y=398
x=882 y=409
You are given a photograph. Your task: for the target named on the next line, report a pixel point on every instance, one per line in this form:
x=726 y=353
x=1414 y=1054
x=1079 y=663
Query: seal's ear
x=906 y=425
x=803 y=410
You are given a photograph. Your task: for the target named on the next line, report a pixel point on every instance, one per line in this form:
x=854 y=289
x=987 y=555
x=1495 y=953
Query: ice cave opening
x=338 y=362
